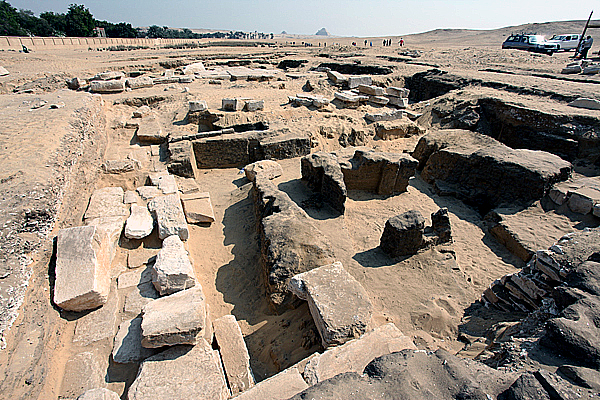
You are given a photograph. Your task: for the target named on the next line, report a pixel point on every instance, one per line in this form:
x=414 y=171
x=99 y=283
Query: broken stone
x=391 y=130
x=139 y=82
x=76 y=83
x=197 y=105
x=134 y=277
x=337 y=78
x=234 y=354
x=117 y=166
x=397 y=92
x=108 y=75
x=356 y=80
x=403 y=234
x=112 y=86
x=169 y=216
x=583 y=199
x=353 y=356
x=181 y=372
x=198 y=208
x=347 y=98
x=130 y=197
x=140 y=223
x=385 y=116
x=165 y=182
x=194 y=68
x=282 y=386
x=255 y=105
x=142 y=111
x=106 y=202
x=371 y=90
x=440 y=222
x=179 y=318
x=182 y=161
x=590 y=104
x=128 y=347
x=140 y=256
x=99 y=394
x=271 y=169
x=323 y=174
x=83 y=371
x=150 y=131
x=173 y=270
x=186 y=79
x=380 y=100
x=236 y=104
x=399 y=102
x=99 y=324
x=149 y=192
x=339 y=305
x=82 y=268
x=139 y=297
x=3 y=71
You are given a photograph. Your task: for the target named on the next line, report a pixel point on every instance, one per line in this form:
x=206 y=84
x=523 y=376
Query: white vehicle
x=566 y=42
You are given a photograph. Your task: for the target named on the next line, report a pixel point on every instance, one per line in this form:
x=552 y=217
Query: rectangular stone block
x=198 y=208
x=282 y=386
x=173 y=271
x=385 y=116
x=346 y=97
x=400 y=102
x=113 y=86
x=234 y=354
x=150 y=131
x=337 y=77
x=338 y=303
x=99 y=324
x=127 y=347
x=371 y=90
x=139 y=82
x=380 y=100
x=397 y=91
x=82 y=268
x=107 y=202
x=236 y=104
x=255 y=105
x=169 y=216
x=355 y=80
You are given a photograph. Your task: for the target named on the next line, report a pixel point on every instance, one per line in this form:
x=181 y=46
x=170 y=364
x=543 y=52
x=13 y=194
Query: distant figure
x=587 y=45
x=371 y=44
x=365 y=43
x=25 y=49
x=401 y=42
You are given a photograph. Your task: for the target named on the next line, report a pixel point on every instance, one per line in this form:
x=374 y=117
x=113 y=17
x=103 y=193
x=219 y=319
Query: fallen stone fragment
x=3 y=71
x=339 y=305
x=337 y=77
x=106 y=202
x=194 y=68
x=348 y=98
x=117 y=166
x=403 y=234
x=98 y=325
x=141 y=256
x=140 y=223
x=134 y=277
x=139 y=82
x=181 y=372
x=142 y=111
x=130 y=197
x=271 y=169
x=139 y=297
x=400 y=102
x=127 y=346
x=83 y=371
x=150 y=131
x=186 y=79
x=234 y=354
x=76 y=83
x=236 y=104
x=82 y=268
x=197 y=105
x=149 y=192
x=165 y=182
x=583 y=199
x=371 y=90
x=282 y=386
x=169 y=216
x=112 y=86
x=173 y=270
x=179 y=318
x=401 y=128
x=99 y=394
x=198 y=208
x=379 y=100
x=56 y=106
x=354 y=355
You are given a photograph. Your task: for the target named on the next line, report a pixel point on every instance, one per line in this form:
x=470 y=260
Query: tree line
x=78 y=21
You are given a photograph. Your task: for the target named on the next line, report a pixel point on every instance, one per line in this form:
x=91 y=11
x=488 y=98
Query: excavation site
x=308 y=219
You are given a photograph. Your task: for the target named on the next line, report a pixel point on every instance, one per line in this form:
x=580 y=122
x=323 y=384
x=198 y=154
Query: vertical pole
x=579 y=45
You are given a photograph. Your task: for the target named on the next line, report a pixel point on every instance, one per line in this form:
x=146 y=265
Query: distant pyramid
x=283 y=32
x=322 y=32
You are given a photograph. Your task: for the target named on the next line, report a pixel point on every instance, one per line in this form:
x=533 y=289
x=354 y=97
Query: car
x=533 y=43
x=566 y=42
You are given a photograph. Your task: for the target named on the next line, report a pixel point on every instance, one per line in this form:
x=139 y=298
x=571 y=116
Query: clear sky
x=343 y=18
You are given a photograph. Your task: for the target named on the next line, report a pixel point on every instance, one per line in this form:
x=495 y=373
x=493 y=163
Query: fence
x=56 y=43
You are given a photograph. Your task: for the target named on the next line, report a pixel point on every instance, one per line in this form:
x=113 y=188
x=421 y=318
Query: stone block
x=172 y=270
x=347 y=98
x=118 y=166
x=134 y=277
x=322 y=173
x=371 y=90
x=99 y=324
x=582 y=200
x=140 y=223
x=282 y=386
x=83 y=371
x=353 y=356
x=385 y=116
x=255 y=105
x=197 y=67
x=356 y=80
x=338 y=303
x=197 y=105
x=137 y=298
x=590 y=104
x=150 y=131
x=186 y=79
x=403 y=234
x=164 y=181
x=141 y=256
x=198 y=208
x=169 y=216
x=99 y=394
x=401 y=128
x=139 y=82
x=181 y=372
x=112 y=86
x=127 y=347
x=149 y=192
x=337 y=78
x=82 y=268
x=236 y=104
x=142 y=111
x=182 y=161
x=234 y=354
x=106 y=202
x=397 y=91
x=108 y=75
x=400 y=102
x=271 y=169
x=179 y=318
x=379 y=100
x=131 y=197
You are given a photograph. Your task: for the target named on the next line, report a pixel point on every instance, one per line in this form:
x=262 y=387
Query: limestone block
x=141 y=256
x=99 y=324
x=139 y=82
x=99 y=394
x=136 y=299
x=558 y=195
x=380 y=100
x=127 y=347
x=354 y=355
x=194 y=68
x=140 y=223
x=176 y=319
x=108 y=75
x=255 y=105
x=338 y=303
x=150 y=131
x=403 y=234
x=106 y=202
x=356 y=80
x=236 y=104
x=130 y=197
x=112 y=86
x=391 y=130
x=164 y=181
x=271 y=169
x=149 y=192
x=181 y=372
x=83 y=371
x=82 y=268
x=134 y=277
x=347 y=97
x=172 y=270
x=371 y=90
x=118 y=166
x=197 y=105
x=397 y=91
x=186 y=79
x=198 y=208
x=385 y=116
x=282 y=386
x=400 y=102
x=337 y=77
x=169 y=216
x=234 y=354
x=582 y=200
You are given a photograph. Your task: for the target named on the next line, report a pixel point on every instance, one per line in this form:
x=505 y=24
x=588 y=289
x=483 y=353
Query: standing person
x=401 y=42
x=587 y=45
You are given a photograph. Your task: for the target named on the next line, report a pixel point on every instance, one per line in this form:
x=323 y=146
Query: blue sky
x=344 y=18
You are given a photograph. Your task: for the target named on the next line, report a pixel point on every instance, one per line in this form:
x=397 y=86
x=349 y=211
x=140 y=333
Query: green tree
x=58 y=22
x=79 y=21
x=9 y=26
x=33 y=25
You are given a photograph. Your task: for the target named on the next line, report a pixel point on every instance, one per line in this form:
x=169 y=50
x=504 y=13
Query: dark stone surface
x=181 y=159
x=484 y=172
x=414 y=375
x=526 y=387
x=440 y=222
x=403 y=234
x=581 y=376
x=357 y=69
x=586 y=276
x=289 y=241
x=322 y=173
x=285 y=64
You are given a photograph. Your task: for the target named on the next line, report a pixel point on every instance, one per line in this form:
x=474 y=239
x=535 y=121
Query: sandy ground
x=428 y=296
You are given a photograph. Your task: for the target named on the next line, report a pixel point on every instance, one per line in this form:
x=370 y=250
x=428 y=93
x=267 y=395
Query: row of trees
x=78 y=21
